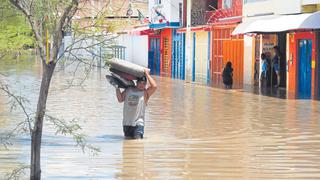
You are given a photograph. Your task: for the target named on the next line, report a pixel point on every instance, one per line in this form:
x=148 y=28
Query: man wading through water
x=135 y=101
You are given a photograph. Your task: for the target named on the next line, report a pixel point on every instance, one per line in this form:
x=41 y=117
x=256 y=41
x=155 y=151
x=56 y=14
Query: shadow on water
x=110 y=138
x=267 y=91
x=263 y=91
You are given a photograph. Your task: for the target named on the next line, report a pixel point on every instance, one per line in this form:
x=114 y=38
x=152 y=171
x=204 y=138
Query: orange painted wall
x=225 y=48
x=233 y=51
x=166 y=52
x=292 y=66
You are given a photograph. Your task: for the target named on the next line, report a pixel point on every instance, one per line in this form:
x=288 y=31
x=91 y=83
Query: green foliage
x=74 y=129
x=17 y=173
x=15 y=32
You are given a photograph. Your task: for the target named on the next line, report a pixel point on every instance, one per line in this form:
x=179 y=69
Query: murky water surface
x=192 y=132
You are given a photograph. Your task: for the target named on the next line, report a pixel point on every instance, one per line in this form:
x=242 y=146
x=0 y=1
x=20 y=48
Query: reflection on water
x=192 y=132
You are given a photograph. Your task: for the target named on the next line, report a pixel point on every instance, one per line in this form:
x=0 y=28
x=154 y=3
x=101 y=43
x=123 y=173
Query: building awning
x=280 y=23
x=196 y=28
x=228 y=21
x=145 y=30
x=165 y=25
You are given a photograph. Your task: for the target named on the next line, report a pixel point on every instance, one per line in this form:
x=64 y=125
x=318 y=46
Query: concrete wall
x=248 y=59
x=126 y=41
x=136 y=48
x=188 y=43
x=87 y=49
x=287 y=6
x=257 y=8
x=140 y=50
x=306 y=2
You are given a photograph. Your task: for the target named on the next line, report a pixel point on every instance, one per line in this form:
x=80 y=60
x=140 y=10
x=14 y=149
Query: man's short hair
x=142 y=79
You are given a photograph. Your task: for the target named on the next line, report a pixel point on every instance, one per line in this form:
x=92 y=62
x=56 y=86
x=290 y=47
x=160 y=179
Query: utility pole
x=188 y=43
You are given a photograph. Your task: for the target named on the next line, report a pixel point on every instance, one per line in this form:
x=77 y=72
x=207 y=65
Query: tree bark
x=26 y=8
x=35 y=170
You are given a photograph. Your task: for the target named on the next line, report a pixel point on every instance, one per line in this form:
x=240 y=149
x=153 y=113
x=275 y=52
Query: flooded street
x=192 y=132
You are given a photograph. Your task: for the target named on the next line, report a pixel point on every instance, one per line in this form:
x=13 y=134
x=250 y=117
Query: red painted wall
x=293 y=65
x=166 y=52
x=236 y=9
x=184 y=21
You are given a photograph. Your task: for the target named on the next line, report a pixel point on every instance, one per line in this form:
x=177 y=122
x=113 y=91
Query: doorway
x=154 y=56
x=304 y=68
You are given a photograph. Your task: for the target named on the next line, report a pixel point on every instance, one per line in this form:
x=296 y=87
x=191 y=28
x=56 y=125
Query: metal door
x=154 y=56
x=304 y=68
x=178 y=56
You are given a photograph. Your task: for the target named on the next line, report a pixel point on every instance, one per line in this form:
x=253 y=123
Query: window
x=157 y=1
x=227 y=4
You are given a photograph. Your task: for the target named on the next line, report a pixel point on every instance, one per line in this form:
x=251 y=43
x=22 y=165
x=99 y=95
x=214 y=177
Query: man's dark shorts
x=133 y=132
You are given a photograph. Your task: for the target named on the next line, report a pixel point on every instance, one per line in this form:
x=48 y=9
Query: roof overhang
x=279 y=23
x=165 y=25
x=196 y=28
x=145 y=30
x=228 y=21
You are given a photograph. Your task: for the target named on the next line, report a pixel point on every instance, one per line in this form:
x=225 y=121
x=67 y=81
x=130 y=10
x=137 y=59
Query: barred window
x=119 y=52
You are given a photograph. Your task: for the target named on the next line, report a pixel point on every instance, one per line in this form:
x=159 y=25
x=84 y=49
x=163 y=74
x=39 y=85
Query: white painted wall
x=306 y=2
x=136 y=48
x=257 y=8
x=287 y=6
x=169 y=8
x=272 y=7
x=140 y=50
x=126 y=40
x=88 y=48
x=248 y=51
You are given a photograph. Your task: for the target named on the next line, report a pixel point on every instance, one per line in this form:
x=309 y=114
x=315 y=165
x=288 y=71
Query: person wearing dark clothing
x=227 y=75
x=276 y=63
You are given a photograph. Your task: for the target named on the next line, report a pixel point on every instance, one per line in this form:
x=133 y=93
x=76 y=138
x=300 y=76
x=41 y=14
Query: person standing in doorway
x=227 y=75
x=276 y=63
x=264 y=69
x=135 y=101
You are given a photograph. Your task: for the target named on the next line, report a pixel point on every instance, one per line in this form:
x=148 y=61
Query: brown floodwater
x=191 y=132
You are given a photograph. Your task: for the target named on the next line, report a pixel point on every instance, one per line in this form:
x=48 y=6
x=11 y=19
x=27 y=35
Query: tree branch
x=67 y=13
x=74 y=129
x=36 y=31
x=20 y=100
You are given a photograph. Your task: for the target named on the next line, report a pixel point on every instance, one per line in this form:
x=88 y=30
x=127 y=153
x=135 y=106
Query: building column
x=248 y=59
x=188 y=52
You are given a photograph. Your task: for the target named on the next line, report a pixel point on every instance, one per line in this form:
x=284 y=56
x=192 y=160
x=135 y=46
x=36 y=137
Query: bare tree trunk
x=35 y=173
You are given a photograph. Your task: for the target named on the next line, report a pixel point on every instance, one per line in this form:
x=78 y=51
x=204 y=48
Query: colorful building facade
x=201 y=57
x=303 y=68
x=197 y=43
x=164 y=18
x=193 y=40
x=272 y=23
x=224 y=46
